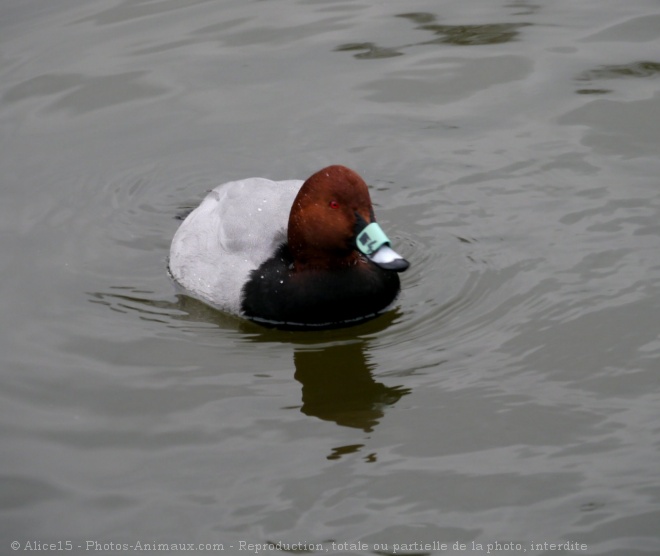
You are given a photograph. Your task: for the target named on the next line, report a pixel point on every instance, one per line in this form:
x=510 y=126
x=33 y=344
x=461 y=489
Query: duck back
x=233 y=231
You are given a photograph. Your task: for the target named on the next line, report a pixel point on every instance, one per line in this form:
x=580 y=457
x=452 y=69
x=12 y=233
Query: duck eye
x=333 y=204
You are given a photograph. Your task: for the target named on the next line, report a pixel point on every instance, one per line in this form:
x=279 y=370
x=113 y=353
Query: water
x=511 y=397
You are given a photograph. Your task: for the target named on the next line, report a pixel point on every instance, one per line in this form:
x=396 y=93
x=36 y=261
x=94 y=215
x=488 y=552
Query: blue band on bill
x=371 y=239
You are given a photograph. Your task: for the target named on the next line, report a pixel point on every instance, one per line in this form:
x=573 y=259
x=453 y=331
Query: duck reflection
x=338 y=385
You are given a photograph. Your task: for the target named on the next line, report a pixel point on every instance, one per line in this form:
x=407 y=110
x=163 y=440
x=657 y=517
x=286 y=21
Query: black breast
x=276 y=296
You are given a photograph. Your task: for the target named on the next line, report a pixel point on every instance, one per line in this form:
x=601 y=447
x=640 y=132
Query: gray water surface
x=513 y=394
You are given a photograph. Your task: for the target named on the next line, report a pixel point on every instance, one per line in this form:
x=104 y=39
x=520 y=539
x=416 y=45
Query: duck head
x=332 y=224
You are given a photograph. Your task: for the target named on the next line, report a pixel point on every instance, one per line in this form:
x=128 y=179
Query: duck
x=289 y=254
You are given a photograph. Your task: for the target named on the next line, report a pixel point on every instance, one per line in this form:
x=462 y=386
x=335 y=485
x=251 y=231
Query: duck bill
x=389 y=259
x=375 y=245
